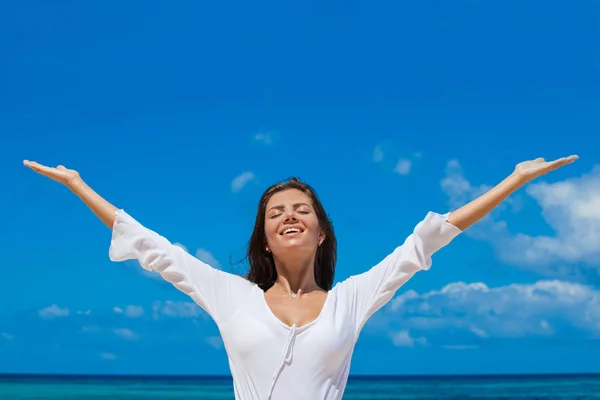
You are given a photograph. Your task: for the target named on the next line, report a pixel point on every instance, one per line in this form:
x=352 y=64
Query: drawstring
x=286 y=357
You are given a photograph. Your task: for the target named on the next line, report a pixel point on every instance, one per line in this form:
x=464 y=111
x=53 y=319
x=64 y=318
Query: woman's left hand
x=529 y=170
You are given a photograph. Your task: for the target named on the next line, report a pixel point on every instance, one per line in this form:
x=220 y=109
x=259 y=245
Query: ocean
x=42 y=387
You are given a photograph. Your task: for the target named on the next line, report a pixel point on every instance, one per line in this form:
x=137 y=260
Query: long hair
x=262 y=266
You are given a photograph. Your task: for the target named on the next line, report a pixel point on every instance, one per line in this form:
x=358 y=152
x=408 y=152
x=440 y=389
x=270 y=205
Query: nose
x=290 y=216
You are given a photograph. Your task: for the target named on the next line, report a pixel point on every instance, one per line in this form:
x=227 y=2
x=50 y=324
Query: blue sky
x=183 y=114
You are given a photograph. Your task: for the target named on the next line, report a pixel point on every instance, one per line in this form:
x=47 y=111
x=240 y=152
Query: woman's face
x=291 y=225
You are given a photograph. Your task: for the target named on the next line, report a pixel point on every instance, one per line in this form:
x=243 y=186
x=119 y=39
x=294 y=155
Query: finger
x=32 y=164
x=563 y=161
x=42 y=169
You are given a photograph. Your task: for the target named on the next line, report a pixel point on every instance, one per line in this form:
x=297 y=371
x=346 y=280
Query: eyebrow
x=296 y=205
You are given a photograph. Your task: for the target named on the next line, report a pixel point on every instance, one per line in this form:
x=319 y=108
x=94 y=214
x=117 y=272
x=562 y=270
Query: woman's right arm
x=99 y=206
x=214 y=290
x=72 y=180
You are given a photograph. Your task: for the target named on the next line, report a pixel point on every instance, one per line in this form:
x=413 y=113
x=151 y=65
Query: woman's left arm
x=524 y=172
x=366 y=293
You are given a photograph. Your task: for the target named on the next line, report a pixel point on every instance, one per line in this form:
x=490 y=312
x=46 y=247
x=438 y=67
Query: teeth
x=291 y=230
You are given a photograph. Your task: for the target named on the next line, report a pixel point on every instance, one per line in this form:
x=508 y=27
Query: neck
x=296 y=277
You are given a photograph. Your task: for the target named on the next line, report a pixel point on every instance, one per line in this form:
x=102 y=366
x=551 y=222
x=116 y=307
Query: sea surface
x=41 y=387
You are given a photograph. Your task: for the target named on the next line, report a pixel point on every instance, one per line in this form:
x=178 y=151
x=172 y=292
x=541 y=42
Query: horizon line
x=368 y=376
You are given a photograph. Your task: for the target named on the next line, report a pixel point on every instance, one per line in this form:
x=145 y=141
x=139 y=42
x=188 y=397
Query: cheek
x=313 y=225
x=270 y=230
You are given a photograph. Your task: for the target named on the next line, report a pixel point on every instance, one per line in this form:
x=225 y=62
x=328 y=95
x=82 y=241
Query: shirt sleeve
x=366 y=293
x=213 y=290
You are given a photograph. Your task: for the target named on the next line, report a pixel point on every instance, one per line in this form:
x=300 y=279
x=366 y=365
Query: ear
x=322 y=236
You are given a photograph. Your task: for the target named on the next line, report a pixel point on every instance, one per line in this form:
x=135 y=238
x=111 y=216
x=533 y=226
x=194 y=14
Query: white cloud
x=460 y=191
x=108 y=356
x=207 y=257
x=182 y=309
x=570 y=207
x=544 y=308
x=389 y=157
x=241 y=180
x=126 y=333
x=53 y=311
x=134 y=311
x=404 y=339
x=131 y=311
x=215 y=341
x=267 y=137
x=403 y=166
x=7 y=336
x=90 y=329
x=378 y=154
x=86 y=312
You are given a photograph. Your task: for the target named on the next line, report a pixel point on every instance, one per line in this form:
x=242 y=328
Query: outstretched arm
x=72 y=180
x=368 y=292
x=524 y=172
x=216 y=291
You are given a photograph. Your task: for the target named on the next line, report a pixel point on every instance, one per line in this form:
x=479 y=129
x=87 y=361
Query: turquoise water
x=21 y=387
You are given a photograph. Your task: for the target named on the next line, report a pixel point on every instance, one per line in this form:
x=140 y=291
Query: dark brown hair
x=262 y=266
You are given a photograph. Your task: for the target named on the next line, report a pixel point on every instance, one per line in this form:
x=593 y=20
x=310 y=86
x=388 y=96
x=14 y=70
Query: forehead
x=288 y=196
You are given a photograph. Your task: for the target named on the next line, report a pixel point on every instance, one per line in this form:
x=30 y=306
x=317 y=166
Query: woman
x=287 y=332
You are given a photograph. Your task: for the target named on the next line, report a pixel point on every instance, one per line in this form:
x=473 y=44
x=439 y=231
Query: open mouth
x=291 y=231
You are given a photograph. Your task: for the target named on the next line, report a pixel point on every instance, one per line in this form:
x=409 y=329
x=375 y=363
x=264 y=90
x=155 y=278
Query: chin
x=296 y=249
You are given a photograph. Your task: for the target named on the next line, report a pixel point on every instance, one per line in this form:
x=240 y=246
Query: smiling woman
x=288 y=333
x=292 y=237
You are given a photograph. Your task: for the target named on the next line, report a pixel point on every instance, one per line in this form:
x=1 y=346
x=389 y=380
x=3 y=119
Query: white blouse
x=267 y=358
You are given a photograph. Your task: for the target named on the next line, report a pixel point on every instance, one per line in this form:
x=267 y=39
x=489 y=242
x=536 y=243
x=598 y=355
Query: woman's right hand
x=60 y=174
x=71 y=179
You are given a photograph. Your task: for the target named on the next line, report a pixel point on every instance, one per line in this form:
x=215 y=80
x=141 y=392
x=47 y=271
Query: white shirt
x=267 y=358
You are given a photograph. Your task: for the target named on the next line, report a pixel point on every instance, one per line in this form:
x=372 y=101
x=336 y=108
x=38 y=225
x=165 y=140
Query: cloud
x=207 y=257
x=268 y=138
x=241 y=180
x=134 y=311
x=118 y=310
x=53 y=311
x=400 y=162
x=459 y=347
x=404 y=339
x=403 y=166
x=7 y=336
x=570 y=207
x=378 y=154
x=171 y=309
x=468 y=313
x=86 y=312
x=108 y=356
x=126 y=333
x=460 y=191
